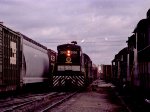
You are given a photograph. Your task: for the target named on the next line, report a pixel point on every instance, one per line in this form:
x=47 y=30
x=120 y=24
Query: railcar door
x=10 y=56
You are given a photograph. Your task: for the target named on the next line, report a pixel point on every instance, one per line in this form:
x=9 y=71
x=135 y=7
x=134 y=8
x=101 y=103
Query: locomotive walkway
x=100 y=97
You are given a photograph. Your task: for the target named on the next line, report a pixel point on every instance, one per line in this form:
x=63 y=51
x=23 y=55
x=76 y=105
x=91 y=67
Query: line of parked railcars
x=23 y=61
x=131 y=66
x=106 y=72
x=74 y=68
x=95 y=72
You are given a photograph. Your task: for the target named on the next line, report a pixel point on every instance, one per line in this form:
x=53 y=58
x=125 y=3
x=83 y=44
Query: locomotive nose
x=68 y=83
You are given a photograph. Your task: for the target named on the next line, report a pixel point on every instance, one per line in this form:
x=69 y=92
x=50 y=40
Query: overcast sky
x=101 y=27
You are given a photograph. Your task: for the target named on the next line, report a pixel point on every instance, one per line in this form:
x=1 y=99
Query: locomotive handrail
x=144 y=49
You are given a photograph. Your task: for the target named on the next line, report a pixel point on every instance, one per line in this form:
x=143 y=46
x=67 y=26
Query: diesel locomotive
x=74 y=68
x=131 y=66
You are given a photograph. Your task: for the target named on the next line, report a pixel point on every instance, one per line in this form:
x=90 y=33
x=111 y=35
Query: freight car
x=95 y=72
x=134 y=61
x=74 y=67
x=23 y=61
x=106 y=72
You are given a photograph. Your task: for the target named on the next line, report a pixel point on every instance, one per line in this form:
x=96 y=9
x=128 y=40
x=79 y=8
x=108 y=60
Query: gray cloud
x=104 y=25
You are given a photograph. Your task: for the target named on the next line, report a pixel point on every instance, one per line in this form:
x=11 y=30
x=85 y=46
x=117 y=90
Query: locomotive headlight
x=68 y=52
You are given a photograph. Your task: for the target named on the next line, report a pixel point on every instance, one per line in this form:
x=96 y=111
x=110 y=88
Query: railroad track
x=56 y=103
x=16 y=103
x=42 y=102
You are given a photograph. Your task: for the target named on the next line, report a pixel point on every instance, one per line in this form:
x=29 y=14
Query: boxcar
x=106 y=72
x=23 y=61
x=10 y=59
x=95 y=72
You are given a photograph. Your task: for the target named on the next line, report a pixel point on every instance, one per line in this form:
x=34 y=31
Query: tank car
x=22 y=61
x=73 y=67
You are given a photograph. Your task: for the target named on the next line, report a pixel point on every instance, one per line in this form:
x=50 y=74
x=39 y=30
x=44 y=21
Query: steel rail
x=58 y=102
x=26 y=103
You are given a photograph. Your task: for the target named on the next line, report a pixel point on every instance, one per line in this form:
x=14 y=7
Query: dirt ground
x=99 y=97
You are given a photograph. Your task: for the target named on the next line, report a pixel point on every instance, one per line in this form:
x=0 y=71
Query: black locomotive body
x=131 y=66
x=89 y=73
x=73 y=67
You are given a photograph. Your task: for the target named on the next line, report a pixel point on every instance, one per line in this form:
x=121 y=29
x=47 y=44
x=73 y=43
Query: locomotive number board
x=68 y=67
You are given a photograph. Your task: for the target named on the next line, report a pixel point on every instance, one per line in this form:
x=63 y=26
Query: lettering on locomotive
x=71 y=52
